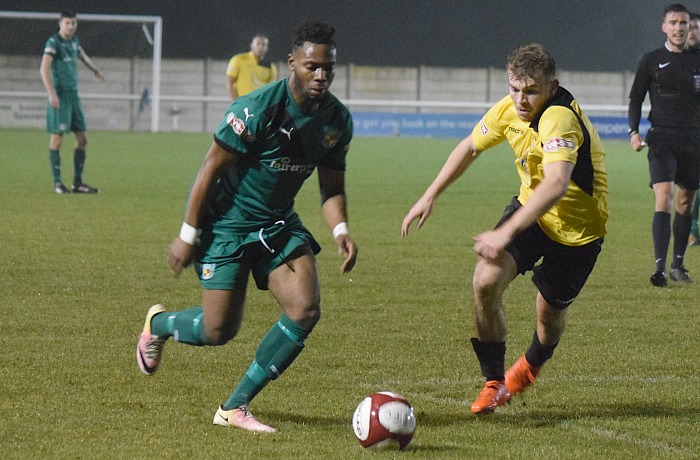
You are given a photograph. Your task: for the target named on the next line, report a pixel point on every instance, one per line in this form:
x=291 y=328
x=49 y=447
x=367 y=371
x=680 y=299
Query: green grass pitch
x=79 y=272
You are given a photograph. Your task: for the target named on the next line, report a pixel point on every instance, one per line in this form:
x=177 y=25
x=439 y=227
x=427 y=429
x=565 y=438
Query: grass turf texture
x=79 y=273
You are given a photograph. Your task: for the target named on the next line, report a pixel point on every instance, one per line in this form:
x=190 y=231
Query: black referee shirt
x=673 y=83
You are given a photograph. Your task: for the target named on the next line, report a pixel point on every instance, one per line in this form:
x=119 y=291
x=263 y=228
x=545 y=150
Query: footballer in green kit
x=59 y=73
x=240 y=220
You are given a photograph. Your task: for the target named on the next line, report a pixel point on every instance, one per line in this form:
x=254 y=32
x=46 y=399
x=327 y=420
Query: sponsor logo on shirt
x=556 y=143
x=236 y=123
x=285 y=164
x=247 y=115
x=484 y=129
x=239 y=128
x=287 y=133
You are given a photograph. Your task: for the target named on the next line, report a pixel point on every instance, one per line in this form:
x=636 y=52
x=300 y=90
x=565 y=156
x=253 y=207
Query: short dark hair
x=694 y=16
x=67 y=14
x=313 y=31
x=675 y=8
x=531 y=61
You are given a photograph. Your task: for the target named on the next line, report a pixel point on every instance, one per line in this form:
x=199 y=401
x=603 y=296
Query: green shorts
x=224 y=259
x=68 y=116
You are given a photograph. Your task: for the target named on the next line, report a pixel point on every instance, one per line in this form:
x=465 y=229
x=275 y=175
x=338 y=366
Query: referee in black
x=671 y=76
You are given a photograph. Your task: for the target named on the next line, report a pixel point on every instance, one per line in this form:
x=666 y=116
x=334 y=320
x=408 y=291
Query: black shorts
x=564 y=269
x=674 y=156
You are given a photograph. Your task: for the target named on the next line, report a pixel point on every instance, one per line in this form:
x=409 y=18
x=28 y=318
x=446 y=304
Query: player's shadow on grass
x=523 y=415
x=519 y=414
x=514 y=416
x=344 y=424
x=302 y=419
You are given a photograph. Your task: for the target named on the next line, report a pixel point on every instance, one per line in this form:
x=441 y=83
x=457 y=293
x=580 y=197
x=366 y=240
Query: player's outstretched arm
x=90 y=65
x=332 y=185
x=549 y=191
x=459 y=160
x=182 y=248
x=421 y=210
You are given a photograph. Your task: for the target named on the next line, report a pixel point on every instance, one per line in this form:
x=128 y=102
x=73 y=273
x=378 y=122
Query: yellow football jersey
x=561 y=133
x=249 y=73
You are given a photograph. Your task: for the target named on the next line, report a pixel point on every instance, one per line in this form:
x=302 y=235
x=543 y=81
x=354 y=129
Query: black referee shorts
x=674 y=156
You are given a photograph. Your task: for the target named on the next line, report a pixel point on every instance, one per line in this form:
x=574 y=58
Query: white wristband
x=340 y=229
x=188 y=233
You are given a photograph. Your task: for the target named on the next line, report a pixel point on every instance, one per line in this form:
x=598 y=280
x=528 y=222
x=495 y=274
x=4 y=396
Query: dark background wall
x=582 y=35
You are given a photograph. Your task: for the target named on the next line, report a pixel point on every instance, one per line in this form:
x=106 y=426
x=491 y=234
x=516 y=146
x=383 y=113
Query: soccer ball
x=384 y=420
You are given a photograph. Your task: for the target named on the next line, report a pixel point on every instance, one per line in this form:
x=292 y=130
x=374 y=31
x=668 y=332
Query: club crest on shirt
x=556 y=143
x=238 y=127
x=330 y=137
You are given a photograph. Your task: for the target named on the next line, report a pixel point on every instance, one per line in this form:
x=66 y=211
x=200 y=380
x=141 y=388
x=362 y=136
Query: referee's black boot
x=658 y=279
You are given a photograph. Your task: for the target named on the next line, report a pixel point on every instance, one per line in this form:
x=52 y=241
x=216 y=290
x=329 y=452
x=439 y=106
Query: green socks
x=186 y=326
x=78 y=165
x=275 y=353
x=55 y=162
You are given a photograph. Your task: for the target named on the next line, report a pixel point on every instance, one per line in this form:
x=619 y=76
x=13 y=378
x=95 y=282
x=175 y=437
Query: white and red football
x=384 y=420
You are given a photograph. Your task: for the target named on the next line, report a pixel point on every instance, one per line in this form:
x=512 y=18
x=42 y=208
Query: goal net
x=126 y=49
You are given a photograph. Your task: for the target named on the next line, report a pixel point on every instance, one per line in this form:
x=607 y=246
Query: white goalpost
x=155 y=39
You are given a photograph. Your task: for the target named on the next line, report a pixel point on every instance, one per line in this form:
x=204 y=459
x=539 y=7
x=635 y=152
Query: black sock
x=492 y=356
x=538 y=354
x=681 y=232
x=661 y=234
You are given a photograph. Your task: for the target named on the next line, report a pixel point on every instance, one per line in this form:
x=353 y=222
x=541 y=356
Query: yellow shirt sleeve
x=490 y=131
x=560 y=134
x=234 y=67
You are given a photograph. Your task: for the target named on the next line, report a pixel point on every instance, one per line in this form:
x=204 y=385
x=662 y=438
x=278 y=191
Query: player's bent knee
x=220 y=335
x=80 y=141
x=306 y=317
x=486 y=283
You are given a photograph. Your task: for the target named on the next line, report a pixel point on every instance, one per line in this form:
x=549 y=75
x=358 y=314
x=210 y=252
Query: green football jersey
x=281 y=147
x=64 y=68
